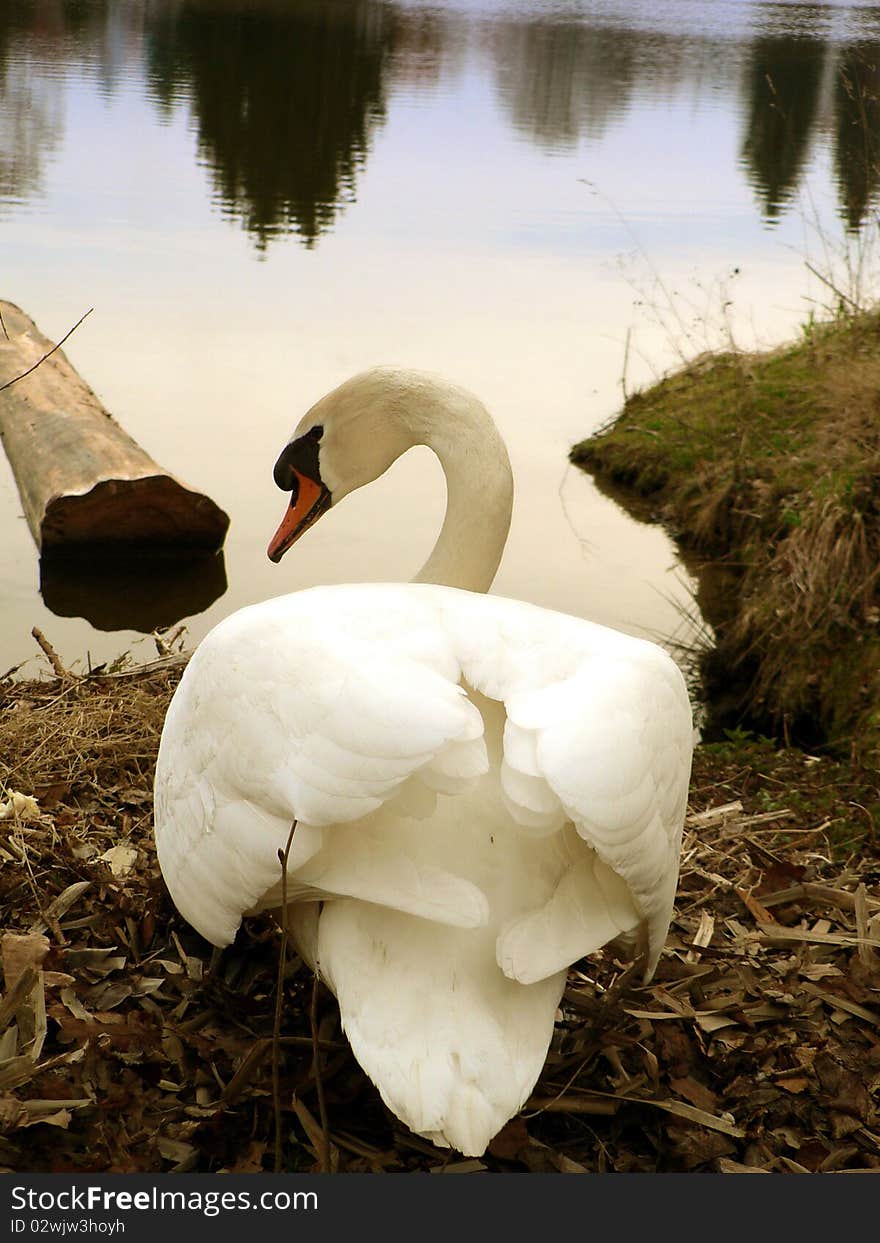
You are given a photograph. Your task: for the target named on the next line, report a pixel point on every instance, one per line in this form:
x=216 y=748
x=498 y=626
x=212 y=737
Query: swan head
x=346 y=440
x=352 y=436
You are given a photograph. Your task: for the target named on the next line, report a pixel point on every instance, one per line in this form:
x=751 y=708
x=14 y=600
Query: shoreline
x=765 y=470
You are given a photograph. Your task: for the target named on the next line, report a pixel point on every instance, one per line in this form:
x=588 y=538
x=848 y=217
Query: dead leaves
x=124 y=1048
x=757 y=1032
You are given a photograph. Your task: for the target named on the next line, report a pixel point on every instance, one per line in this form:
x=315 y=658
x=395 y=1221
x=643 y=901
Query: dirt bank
x=767 y=466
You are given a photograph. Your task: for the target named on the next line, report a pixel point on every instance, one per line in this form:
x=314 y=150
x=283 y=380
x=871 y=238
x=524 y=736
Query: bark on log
x=84 y=483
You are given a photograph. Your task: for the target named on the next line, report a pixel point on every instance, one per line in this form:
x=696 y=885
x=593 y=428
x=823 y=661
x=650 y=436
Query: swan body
x=484 y=790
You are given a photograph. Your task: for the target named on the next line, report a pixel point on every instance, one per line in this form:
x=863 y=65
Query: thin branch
x=283 y=856
x=838 y=293
x=51 y=655
x=319 y=1083
x=254 y=1060
x=625 y=365
x=3 y=326
x=15 y=379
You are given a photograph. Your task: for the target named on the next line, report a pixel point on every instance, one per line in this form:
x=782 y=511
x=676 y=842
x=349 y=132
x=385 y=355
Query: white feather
x=484 y=791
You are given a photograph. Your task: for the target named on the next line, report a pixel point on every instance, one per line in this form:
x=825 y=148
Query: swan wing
x=325 y=705
x=599 y=735
x=303 y=709
x=621 y=773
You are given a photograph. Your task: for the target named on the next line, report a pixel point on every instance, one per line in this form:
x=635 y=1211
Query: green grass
x=771 y=464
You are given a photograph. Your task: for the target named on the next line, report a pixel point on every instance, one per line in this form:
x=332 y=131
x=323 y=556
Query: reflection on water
x=560 y=81
x=857 y=145
x=286 y=99
x=410 y=174
x=287 y=94
x=798 y=87
x=30 y=116
x=141 y=594
x=784 y=82
x=29 y=129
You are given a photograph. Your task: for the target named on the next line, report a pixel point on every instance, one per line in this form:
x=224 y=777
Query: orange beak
x=308 y=501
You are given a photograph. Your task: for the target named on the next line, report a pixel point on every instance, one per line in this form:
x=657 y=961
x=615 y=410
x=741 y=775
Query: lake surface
x=548 y=203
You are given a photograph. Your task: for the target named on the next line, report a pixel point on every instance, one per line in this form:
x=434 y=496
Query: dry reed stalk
x=283 y=856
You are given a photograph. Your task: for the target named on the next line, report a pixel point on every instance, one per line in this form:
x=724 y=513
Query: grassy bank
x=127 y=1049
x=769 y=464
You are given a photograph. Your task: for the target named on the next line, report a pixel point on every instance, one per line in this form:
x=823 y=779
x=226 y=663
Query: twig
x=593 y=1102
x=176 y=635
x=161 y=646
x=51 y=655
x=3 y=326
x=145 y=670
x=15 y=995
x=254 y=1059
x=15 y=379
x=538 y=1105
x=625 y=365
x=838 y=293
x=568 y=1105
x=283 y=856
x=319 y=1083
x=165 y=642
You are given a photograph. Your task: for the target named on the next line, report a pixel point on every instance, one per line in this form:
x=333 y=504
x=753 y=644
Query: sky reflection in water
x=260 y=199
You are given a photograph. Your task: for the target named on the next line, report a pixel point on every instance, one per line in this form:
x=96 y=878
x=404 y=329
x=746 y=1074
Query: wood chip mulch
x=124 y=1048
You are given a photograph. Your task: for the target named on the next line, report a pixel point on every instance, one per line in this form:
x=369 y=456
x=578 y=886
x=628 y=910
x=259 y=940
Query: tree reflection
x=40 y=42
x=286 y=98
x=428 y=47
x=857 y=131
x=30 y=110
x=784 y=79
x=287 y=95
x=560 y=80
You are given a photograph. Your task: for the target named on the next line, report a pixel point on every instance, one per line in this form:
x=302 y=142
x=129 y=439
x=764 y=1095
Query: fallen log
x=84 y=483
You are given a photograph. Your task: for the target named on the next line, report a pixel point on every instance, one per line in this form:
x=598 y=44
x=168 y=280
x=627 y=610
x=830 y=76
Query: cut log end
x=84 y=482
x=155 y=511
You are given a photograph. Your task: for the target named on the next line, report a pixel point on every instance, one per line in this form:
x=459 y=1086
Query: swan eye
x=315 y=432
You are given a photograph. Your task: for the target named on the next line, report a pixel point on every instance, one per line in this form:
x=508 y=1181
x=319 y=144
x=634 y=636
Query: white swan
x=484 y=790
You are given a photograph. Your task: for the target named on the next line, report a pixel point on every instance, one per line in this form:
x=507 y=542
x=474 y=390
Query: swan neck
x=479 y=503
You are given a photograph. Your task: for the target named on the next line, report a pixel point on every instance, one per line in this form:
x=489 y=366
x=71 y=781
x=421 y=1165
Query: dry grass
x=122 y=1048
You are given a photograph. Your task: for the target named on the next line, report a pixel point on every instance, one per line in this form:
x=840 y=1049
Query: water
x=549 y=203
